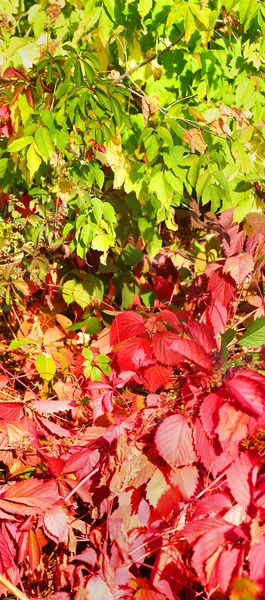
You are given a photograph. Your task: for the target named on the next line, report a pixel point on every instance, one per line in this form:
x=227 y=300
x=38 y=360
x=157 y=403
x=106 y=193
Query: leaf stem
x=12 y=588
x=148 y=60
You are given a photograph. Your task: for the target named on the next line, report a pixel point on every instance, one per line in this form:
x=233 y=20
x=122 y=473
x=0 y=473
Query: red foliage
x=148 y=483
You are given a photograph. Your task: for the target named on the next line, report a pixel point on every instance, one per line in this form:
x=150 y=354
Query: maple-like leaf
x=55 y=524
x=239 y=266
x=156 y=376
x=192 y=352
x=242 y=476
x=173 y=440
x=125 y=326
x=222 y=286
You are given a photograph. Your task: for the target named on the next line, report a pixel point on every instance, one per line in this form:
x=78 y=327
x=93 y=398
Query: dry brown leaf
x=150 y=104
x=194 y=139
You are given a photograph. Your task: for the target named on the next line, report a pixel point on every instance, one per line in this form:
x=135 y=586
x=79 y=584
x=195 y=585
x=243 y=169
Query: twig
x=147 y=60
x=12 y=588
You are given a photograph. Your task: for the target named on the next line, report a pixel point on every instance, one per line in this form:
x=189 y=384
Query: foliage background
x=132 y=292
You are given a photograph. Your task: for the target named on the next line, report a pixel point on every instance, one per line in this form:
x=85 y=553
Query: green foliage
x=105 y=155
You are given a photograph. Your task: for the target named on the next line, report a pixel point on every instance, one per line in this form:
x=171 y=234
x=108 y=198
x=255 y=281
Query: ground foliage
x=132 y=236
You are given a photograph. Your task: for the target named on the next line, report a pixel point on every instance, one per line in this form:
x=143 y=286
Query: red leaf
x=229 y=563
x=185 y=480
x=257 y=566
x=55 y=524
x=11 y=411
x=125 y=326
x=134 y=354
x=209 y=410
x=52 y=428
x=248 y=390
x=23 y=496
x=239 y=266
x=216 y=316
x=14 y=73
x=192 y=352
x=156 y=376
x=233 y=240
x=6 y=558
x=206 y=449
x=201 y=334
x=168 y=316
x=212 y=503
x=79 y=460
x=241 y=477
x=197 y=528
x=161 y=349
x=174 y=441
x=222 y=287
x=50 y=407
x=232 y=427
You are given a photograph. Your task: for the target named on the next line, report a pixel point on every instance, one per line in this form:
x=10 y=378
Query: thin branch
x=12 y=588
x=147 y=60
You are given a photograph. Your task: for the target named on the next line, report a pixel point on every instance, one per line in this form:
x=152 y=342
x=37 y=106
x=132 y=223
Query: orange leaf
x=193 y=137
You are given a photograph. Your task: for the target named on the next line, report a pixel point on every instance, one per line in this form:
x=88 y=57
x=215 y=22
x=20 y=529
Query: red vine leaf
x=173 y=440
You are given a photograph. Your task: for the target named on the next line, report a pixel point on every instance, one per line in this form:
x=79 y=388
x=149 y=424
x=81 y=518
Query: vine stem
x=147 y=60
x=13 y=588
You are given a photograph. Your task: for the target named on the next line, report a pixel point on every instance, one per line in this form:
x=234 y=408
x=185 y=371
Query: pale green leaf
x=20 y=143
x=45 y=366
x=255 y=335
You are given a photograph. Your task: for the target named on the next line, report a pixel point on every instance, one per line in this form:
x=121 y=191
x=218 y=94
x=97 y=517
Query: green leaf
x=20 y=143
x=83 y=292
x=68 y=291
x=3 y=166
x=89 y=72
x=255 y=335
x=45 y=366
x=144 y=7
x=78 y=74
x=96 y=374
x=44 y=142
x=88 y=354
x=131 y=255
x=247 y=11
x=117 y=111
x=19 y=342
x=93 y=325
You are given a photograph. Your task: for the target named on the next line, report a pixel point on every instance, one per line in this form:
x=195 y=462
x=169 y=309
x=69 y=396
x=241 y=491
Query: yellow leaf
x=33 y=160
x=115 y=159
